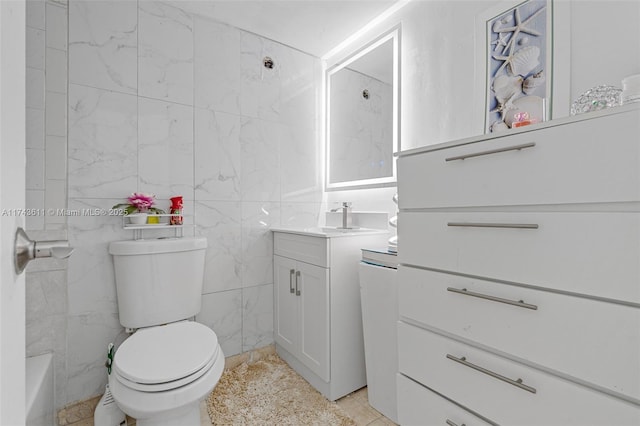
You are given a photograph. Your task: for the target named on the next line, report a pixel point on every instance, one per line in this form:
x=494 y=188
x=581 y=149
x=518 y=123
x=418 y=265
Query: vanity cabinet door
x=286 y=303
x=301 y=318
x=313 y=289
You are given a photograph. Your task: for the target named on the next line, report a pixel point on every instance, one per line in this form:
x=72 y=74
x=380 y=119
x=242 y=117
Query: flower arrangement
x=139 y=203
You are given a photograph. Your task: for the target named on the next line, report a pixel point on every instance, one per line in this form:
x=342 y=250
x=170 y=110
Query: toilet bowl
x=160 y=374
x=169 y=364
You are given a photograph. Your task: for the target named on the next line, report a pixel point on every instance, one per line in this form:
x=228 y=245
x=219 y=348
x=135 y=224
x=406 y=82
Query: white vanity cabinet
x=519 y=274
x=317 y=314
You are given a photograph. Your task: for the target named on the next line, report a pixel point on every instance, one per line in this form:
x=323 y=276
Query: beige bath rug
x=269 y=392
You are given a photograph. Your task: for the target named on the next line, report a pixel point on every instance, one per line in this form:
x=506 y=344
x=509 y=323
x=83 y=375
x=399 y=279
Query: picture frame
x=518 y=64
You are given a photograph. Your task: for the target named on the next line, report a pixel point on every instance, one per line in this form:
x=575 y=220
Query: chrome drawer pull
x=492 y=151
x=494 y=225
x=517 y=383
x=291 y=272
x=297 y=279
x=450 y=423
x=518 y=303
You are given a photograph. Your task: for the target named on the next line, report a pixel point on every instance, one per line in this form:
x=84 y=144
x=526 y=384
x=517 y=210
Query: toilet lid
x=166 y=353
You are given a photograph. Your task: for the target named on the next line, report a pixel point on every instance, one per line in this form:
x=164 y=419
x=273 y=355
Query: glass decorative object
x=631 y=89
x=597 y=98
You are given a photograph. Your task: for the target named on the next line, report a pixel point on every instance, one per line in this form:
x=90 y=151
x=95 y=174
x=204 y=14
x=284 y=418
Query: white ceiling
x=313 y=26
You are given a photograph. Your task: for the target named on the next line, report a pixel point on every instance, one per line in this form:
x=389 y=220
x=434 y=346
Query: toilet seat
x=164 y=386
x=166 y=357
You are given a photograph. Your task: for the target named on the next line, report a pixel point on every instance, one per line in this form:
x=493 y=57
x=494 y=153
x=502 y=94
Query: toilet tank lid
x=159 y=245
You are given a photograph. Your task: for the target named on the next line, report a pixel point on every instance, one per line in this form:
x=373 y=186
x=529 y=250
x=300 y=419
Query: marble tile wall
x=46 y=146
x=46 y=128
x=164 y=101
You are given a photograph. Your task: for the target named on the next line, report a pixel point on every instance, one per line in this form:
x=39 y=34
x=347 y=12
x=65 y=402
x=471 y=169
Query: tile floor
x=356 y=405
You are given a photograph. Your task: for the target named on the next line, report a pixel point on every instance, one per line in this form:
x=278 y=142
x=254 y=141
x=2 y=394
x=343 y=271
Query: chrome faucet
x=346 y=215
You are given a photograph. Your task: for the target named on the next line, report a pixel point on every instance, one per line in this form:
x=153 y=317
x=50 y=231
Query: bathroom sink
x=330 y=231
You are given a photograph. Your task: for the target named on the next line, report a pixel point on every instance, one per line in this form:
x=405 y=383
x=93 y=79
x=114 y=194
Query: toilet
x=169 y=363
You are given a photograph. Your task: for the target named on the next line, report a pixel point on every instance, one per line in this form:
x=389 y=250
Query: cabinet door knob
x=297 y=283
x=291 y=272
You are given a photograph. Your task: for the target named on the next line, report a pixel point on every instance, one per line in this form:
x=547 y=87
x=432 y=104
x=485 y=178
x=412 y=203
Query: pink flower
x=142 y=202
x=139 y=202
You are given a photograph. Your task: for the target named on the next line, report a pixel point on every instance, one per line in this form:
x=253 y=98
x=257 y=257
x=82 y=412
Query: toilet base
x=186 y=416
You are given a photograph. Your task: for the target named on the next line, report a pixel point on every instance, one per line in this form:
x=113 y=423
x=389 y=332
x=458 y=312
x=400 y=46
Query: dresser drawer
x=580 y=162
x=307 y=249
x=419 y=406
x=504 y=391
x=565 y=333
x=589 y=253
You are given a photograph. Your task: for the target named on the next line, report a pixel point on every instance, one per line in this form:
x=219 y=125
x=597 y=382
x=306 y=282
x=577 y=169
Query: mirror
x=362 y=116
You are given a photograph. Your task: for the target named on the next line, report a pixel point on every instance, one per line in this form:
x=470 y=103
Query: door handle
x=297 y=283
x=26 y=250
x=291 y=272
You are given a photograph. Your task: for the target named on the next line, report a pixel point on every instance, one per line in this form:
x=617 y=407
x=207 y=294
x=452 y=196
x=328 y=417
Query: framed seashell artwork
x=517 y=37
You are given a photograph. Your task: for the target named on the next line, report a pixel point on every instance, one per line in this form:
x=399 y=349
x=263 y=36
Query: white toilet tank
x=158 y=281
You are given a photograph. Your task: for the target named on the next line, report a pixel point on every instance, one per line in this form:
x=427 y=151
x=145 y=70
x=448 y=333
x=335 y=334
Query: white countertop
x=329 y=232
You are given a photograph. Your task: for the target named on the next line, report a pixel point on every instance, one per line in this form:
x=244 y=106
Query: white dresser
x=519 y=277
